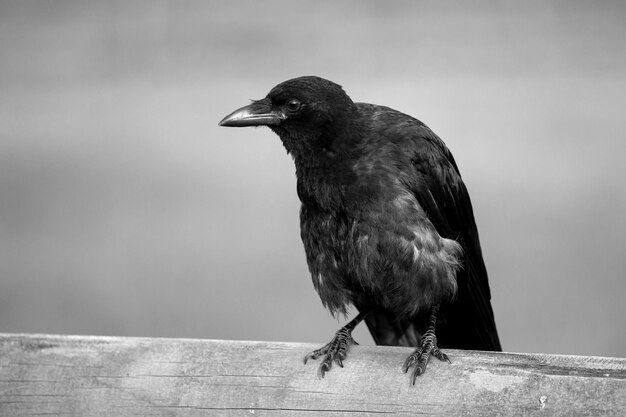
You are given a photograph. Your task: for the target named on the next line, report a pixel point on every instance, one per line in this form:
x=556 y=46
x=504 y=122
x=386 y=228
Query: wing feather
x=433 y=177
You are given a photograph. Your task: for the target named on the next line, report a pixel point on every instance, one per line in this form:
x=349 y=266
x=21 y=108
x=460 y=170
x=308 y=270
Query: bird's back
x=427 y=170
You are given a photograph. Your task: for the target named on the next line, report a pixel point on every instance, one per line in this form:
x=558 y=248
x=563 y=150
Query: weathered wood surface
x=114 y=376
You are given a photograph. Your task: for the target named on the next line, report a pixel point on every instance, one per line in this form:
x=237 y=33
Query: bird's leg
x=427 y=347
x=337 y=349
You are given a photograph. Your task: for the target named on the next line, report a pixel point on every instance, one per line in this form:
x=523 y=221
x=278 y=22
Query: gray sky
x=126 y=210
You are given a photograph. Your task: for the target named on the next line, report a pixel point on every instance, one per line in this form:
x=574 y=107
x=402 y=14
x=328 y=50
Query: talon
x=312 y=355
x=427 y=347
x=419 y=370
x=409 y=362
x=337 y=349
x=443 y=357
x=324 y=367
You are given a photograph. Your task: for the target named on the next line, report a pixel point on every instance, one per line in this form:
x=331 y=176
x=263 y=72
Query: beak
x=259 y=113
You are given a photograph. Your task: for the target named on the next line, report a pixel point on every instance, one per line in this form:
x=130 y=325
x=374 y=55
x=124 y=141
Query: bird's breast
x=386 y=254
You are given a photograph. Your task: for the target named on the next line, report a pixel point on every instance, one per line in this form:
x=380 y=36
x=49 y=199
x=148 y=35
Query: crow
x=386 y=221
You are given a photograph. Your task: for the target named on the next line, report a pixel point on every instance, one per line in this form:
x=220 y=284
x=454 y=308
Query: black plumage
x=386 y=221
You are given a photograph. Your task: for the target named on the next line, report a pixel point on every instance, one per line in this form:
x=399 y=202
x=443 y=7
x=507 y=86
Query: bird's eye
x=293 y=105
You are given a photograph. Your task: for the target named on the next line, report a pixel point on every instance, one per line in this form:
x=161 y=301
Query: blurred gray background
x=126 y=210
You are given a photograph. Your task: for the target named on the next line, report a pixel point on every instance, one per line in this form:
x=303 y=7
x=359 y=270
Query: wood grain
x=115 y=376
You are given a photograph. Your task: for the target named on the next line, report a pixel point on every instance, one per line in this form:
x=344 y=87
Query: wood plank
x=115 y=376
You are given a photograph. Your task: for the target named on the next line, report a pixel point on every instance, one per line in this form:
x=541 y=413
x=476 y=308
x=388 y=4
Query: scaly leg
x=427 y=347
x=337 y=349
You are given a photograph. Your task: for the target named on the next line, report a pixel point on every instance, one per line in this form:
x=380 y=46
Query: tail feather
x=387 y=330
x=460 y=325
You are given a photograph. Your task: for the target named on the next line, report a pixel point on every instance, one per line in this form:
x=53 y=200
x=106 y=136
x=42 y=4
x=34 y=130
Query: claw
x=418 y=371
x=440 y=355
x=335 y=351
x=409 y=362
x=312 y=355
x=427 y=347
x=324 y=367
x=422 y=354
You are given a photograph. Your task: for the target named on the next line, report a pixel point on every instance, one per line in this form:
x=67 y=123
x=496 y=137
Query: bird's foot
x=422 y=354
x=427 y=348
x=335 y=351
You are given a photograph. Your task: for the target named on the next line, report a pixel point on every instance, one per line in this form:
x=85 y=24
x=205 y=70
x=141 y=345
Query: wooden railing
x=118 y=376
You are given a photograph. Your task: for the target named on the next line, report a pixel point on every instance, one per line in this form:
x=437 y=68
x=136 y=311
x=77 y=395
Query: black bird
x=386 y=222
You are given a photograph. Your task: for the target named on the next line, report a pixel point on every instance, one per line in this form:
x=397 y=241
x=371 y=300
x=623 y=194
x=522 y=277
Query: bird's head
x=303 y=111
